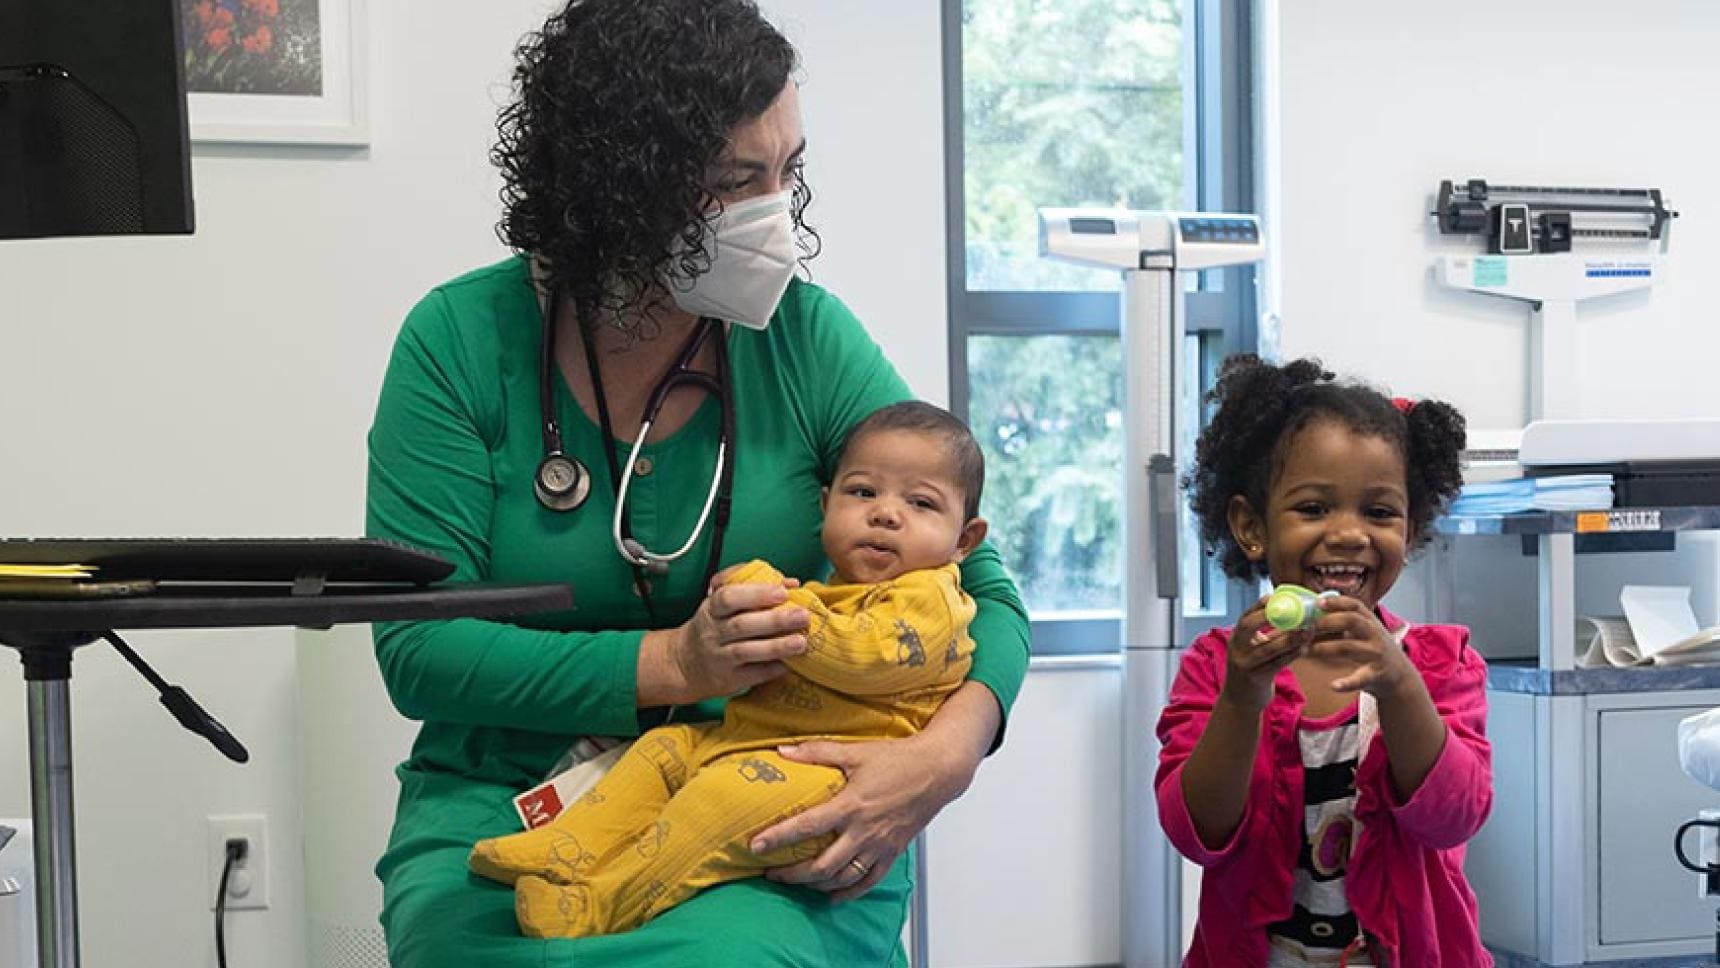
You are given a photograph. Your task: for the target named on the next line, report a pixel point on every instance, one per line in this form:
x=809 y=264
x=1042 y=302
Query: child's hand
x=1255 y=654
x=1350 y=631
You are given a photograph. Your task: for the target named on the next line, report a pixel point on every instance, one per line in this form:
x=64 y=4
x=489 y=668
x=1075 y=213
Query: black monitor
x=93 y=137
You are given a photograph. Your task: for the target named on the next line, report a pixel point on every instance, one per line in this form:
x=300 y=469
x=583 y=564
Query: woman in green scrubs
x=637 y=125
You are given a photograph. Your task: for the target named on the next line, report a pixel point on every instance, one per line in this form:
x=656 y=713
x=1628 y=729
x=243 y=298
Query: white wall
x=872 y=83
x=1023 y=870
x=1381 y=101
x=221 y=384
x=1378 y=102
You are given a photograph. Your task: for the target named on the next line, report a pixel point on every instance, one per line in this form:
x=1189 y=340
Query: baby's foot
x=547 y=852
x=546 y=910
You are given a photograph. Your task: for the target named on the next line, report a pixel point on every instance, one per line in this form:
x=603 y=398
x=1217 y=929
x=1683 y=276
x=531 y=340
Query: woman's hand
x=1349 y=631
x=1254 y=655
x=736 y=640
x=895 y=787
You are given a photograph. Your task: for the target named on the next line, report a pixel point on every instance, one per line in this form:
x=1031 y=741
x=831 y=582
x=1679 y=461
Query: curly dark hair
x=620 y=109
x=1261 y=408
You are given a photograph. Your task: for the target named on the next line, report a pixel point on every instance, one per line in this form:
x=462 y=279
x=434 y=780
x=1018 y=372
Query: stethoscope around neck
x=563 y=482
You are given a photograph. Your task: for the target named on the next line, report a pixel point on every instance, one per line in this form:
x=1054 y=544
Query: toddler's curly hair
x=1261 y=408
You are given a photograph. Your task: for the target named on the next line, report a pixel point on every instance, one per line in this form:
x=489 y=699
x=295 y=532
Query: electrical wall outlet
x=248 y=885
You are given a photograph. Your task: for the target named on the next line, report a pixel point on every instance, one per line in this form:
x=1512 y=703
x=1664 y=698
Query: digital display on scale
x=1093 y=226
x=1219 y=230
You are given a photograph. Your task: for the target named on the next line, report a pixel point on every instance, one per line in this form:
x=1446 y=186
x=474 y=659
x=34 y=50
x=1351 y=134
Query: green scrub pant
x=437 y=914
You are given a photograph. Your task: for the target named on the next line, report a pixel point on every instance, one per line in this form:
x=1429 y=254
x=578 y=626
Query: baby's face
x=894 y=507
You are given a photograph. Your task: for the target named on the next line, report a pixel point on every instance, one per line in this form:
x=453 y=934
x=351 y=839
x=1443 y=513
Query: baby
x=887 y=641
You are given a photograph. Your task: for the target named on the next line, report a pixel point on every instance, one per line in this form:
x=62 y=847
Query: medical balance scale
x=1552 y=248
x=1150 y=249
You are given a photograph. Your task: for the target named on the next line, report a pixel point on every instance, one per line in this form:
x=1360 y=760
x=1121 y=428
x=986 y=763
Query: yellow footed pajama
x=676 y=813
x=696 y=840
x=641 y=781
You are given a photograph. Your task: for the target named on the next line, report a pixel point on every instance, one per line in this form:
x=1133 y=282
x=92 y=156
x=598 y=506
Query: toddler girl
x=1326 y=778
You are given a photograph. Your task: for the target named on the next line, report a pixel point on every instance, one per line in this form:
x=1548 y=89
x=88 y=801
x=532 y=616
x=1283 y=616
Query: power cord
x=182 y=706
x=236 y=850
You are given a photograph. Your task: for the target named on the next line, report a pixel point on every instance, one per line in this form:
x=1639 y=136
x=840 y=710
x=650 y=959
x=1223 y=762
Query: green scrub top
x=455 y=443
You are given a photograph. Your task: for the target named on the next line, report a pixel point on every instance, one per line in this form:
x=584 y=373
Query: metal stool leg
x=50 y=717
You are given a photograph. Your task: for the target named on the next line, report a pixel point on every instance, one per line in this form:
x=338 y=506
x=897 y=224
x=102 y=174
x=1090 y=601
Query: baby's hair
x=918 y=416
x=1261 y=408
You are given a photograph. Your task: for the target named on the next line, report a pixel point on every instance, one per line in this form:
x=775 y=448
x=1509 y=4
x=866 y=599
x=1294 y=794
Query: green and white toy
x=1292 y=607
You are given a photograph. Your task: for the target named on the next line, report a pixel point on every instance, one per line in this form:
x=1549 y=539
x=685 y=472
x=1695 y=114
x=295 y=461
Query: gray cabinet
x=1641 y=796
x=1575 y=864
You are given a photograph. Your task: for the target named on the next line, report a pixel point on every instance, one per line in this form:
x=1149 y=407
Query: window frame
x=1219 y=175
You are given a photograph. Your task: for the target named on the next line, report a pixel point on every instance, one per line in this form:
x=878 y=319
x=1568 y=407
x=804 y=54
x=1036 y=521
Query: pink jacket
x=1405 y=879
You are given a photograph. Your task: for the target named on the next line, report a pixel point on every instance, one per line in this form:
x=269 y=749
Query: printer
x=1653 y=463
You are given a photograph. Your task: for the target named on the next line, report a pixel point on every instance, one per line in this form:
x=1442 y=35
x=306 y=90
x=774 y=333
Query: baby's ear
x=972 y=534
x=1247 y=527
x=824 y=500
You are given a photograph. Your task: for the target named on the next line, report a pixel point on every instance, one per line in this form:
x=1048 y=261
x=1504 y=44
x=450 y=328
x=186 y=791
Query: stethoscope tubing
x=680 y=373
x=630 y=548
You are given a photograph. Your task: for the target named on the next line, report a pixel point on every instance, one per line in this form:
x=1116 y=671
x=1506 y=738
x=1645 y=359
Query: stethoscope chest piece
x=562 y=483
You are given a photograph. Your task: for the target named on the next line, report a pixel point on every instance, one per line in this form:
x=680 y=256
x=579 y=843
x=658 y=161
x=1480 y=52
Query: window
x=1141 y=104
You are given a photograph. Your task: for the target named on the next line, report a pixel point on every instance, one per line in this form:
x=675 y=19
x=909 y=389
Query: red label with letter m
x=538 y=807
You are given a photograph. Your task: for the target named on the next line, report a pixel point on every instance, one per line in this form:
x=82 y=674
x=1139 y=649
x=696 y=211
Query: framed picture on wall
x=275 y=71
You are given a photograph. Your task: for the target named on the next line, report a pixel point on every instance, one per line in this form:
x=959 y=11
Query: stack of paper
x=36 y=580
x=1658 y=628
x=1564 y=492
x=45 y=571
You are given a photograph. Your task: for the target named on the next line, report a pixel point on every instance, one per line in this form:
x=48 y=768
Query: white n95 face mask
x=753 y=258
